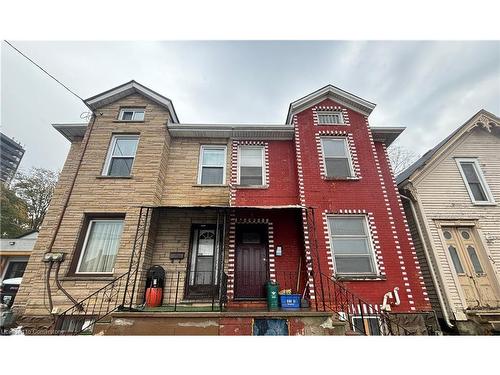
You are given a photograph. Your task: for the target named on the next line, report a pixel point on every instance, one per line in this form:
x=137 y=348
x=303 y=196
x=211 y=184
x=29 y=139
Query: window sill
x=115 y=177
x=128 y=122
x=361 y=278
x=484 y=204
x=341 y=178
x=209 y=185
x=251 y=186
x=89 y=277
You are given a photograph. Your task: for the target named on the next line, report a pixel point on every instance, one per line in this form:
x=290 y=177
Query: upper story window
x=100 y=246
x=337 y=158
x=474 y=180
x=212 y=165
x=351 y=245
x=330 y=118
x=131 y=114
x=121 y=155
x=251 y=166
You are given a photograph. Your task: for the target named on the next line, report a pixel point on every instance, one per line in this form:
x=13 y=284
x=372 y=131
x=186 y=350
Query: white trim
x=347 y=150
x=338 y=95
x=134 y=111
x=84 y=247
x=326 y=112
x=200 y=163
x=482 y=180
x=376 y=272
x=263 y=163
x=109 y=156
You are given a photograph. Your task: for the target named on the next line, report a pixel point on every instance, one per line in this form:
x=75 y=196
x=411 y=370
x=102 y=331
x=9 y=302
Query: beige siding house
x=451 y=197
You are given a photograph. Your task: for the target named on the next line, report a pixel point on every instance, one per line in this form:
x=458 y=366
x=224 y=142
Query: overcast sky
x=429 y=87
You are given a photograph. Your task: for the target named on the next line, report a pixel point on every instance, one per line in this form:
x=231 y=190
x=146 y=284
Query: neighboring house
x=222 y=209
x=452 y=196
x=14 y=255
x=11 y=154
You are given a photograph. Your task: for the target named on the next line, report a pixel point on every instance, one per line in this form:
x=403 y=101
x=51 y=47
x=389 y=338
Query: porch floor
x=253 y=312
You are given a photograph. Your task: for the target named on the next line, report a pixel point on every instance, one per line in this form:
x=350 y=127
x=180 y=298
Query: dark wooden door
x=251 y=261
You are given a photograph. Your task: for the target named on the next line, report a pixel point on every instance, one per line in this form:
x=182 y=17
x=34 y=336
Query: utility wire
x=43 y=70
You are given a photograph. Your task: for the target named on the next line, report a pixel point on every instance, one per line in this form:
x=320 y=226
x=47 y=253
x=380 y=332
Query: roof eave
x=72 y=132
x=386 y=134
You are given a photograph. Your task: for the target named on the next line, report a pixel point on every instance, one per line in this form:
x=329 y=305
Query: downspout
x=428 y=258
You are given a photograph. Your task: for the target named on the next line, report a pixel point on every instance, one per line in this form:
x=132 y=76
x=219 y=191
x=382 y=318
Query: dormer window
x=330 y=118
x=131 y=114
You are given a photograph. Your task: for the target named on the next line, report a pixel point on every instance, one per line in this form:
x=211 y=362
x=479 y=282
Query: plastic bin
x=290 y=301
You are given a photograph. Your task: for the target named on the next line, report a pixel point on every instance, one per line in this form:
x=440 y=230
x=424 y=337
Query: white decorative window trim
x=373 y=240
x=482 y=180
x=233 y=221
x=354 y=161
x=331 y=108
x=234 y=185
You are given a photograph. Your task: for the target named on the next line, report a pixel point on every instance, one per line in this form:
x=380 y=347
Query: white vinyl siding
x=251 y=168
x=443 y=195
x=121 y=155
x=336 y=158
x=131 y=114
x=351 y=245
x=474 y=180
x=330 y=118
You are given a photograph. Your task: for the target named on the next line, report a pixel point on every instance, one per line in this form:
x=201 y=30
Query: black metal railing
x=82 y=317
x=362 y=317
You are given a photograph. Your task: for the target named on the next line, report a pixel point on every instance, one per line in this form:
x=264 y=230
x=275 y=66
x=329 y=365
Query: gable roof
x=114 y=94
x=482 y=118
x=329 y=91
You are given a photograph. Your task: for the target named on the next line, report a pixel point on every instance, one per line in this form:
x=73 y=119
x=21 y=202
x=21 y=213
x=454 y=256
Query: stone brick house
x=451 y=199
x=310 y=204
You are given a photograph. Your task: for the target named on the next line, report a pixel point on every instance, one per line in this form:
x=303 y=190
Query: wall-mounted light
x=279 y=250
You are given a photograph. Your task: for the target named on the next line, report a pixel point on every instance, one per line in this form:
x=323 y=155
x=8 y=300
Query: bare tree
x=36 y=188
x=400 y=157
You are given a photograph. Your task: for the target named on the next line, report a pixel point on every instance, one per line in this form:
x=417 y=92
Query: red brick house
x=311 y=204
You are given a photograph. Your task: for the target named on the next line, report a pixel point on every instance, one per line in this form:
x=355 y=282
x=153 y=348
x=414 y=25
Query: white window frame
x=263 y=149
x=349 y=158
x=482 y=180
x=84 y=247
x=373 y=255
x=326 y=112
x=134 y=111
x=200 y=163
x=109 y=156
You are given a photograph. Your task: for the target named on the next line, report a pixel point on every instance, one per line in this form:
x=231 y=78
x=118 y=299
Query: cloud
x=430 y=87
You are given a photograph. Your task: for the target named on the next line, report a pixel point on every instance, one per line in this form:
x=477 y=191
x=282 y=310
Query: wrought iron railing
x=362 y=317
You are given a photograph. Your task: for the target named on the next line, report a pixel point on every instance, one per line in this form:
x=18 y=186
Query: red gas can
x=154 y=297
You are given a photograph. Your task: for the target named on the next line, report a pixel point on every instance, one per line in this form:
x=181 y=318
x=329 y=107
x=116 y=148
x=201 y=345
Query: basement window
x=330 y=118
x=131 y=114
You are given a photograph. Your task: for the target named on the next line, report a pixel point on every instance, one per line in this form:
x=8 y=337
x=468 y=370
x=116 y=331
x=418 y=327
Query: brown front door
x=251 y=261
